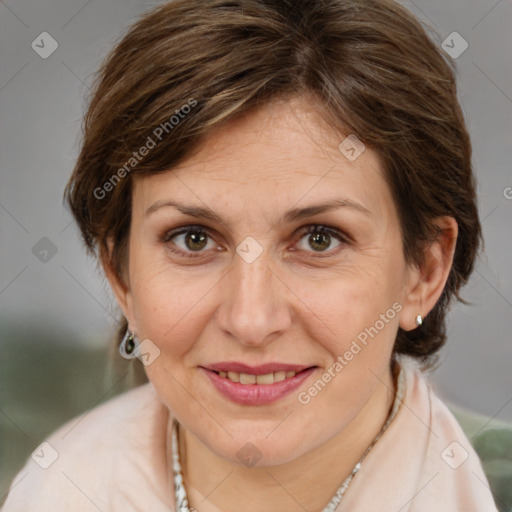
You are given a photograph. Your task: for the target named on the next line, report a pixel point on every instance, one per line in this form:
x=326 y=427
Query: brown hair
x=370 y=65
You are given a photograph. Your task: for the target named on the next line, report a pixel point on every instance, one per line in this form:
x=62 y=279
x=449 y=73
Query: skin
x=293 y=304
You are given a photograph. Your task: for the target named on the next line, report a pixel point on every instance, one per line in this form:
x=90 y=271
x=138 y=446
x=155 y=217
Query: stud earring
x=419 y=320
x=128 y=345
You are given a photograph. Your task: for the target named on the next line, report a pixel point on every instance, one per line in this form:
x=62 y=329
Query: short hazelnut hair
x=369 y=63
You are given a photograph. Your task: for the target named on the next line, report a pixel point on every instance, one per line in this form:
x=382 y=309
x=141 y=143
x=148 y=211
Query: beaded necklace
x=179 y=486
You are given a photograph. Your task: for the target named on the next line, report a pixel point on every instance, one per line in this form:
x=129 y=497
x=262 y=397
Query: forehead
x=280 y=155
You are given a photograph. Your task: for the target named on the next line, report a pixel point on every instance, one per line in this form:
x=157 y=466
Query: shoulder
x=451 y=469
x=118 y=421
x=100 y=457
x=423 y=461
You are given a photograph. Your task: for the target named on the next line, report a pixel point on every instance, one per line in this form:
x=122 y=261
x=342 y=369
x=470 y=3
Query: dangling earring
x=419 y=320
x=128 y=345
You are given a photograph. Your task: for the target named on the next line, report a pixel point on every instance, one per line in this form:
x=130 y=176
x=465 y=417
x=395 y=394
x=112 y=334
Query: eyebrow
x=295 y=214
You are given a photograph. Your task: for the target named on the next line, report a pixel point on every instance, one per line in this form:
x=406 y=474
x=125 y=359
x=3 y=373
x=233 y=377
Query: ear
x=426 y=283
x=120 y=285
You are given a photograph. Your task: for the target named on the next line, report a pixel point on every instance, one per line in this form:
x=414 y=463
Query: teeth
x=235 y=377
x=268 y=378
x=279 y=376
x=247 y=378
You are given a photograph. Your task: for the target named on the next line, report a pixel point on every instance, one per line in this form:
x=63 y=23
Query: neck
x=215 y=484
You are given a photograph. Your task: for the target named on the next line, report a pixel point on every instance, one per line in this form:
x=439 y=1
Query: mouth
x=256 y=385
x=265 y=379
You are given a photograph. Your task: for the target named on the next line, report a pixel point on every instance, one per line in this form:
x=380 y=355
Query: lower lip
x=257 y=394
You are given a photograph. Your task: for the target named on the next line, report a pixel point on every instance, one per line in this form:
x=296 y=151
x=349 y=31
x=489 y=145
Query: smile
x=248 y=378
x=256 y=385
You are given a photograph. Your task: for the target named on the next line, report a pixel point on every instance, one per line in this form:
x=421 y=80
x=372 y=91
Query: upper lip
x=261 y=369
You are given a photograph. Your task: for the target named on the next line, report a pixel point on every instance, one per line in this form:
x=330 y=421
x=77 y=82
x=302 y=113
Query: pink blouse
x=114 y=459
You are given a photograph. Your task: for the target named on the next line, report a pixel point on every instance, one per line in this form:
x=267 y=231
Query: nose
x=255 y=309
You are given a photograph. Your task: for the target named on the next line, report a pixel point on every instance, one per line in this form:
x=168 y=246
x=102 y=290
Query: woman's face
x=229 y=278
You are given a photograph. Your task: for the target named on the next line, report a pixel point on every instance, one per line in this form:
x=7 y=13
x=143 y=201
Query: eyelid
x=170 y=233
x=338 y=233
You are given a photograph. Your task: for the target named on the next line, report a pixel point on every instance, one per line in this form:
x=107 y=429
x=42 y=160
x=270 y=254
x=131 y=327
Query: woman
x=281 y=196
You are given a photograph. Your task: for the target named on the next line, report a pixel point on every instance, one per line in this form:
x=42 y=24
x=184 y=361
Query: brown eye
x=320 y=239
x=189 y=240
x=196 y=240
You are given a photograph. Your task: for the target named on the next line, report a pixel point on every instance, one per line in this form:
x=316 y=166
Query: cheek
x=361 y=312
x=169 y=305
x=343 y=306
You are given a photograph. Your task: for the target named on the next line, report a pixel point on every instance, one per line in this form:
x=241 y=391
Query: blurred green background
x=45 y=380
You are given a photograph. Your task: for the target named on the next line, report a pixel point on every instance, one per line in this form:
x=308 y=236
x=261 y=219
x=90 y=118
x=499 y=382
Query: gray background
x=42 y=101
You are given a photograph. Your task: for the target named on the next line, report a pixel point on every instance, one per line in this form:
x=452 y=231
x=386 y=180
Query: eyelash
x=311 y=229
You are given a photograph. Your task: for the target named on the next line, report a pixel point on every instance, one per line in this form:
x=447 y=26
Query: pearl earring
x=419 y=320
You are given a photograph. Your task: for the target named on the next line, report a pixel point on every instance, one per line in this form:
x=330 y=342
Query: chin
x=259 y=454
x=258 y=444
